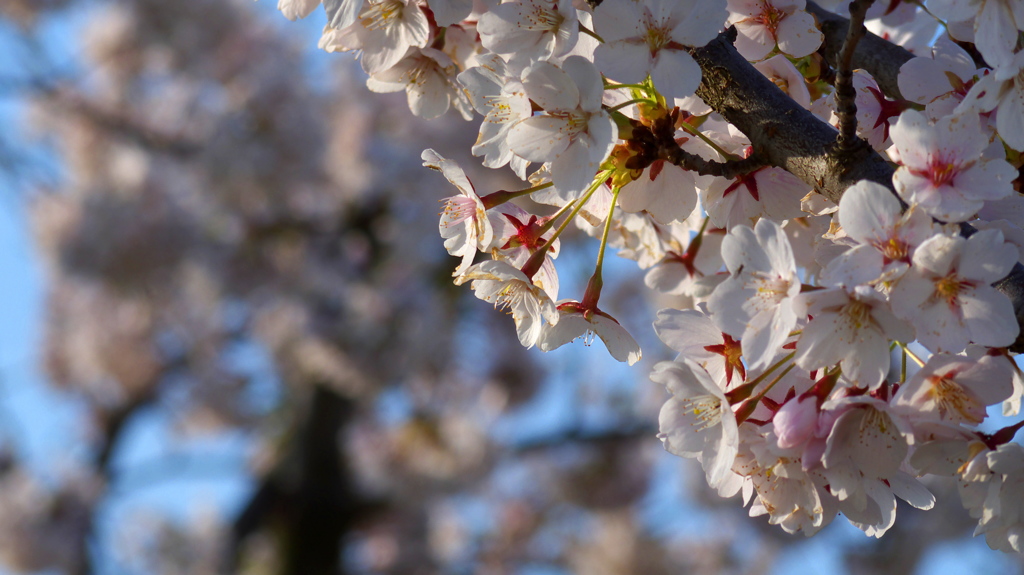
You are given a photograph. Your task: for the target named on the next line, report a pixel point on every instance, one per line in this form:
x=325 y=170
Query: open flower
x=508 y=288
x=503 y=102
x=651 y=37
x=697 y=420
x=574 y=135
x=765 y=24
x=887 y=238
x=943 y=168
x=530 y=30
x=947 y=293
x=575 y=321
x=852 y=328
x=428 y=78
x=756 y=302
x=384 y=32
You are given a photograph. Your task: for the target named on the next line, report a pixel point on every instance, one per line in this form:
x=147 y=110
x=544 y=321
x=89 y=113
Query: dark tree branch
x=782 y=132
x=880 y=58
x=786 y=135
x=695 y=163
x=846 y=95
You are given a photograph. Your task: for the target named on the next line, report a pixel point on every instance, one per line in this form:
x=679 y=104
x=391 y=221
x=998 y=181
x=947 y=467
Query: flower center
x=457 y=210
x=544 y=18
x=941 y=172
x=770 y=287
x=707 y=409
x=893 y=250
x=769 y=18
x=381 y=14
x=950 y=397
x=657 y=38
x=858 y=313
x=950 y=287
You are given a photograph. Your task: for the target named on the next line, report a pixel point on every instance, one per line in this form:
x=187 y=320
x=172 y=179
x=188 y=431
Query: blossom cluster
x=830 y=354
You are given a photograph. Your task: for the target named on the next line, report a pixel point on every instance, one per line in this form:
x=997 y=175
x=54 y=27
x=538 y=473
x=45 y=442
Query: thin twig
x=846 y=95
x=728 y=170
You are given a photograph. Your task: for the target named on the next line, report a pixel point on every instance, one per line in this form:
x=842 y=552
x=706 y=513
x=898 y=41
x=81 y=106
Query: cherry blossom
x=852 y=328
x=650 y=38
x=574 y=134
x=989 y=488
x=887 y=238
x=296 y=9
x=1002 y=93
x=942 y=81
x=508 y=288
x=756 y=302
x=765 y=24
x=530 y=30
x=954 y=389
x=693 y=334
x=697 y=420
x=997 y=24
x=503 y=102
x=784 y=74
x=428 y=78
x=663 y=190
x=862 y=461
x=385 y=31
x=943 y=168
x=579 y=320
x=782 y=387
x=464 y=225
x=947 y=293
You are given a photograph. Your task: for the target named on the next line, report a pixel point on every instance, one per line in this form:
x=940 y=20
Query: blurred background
x=229 y=341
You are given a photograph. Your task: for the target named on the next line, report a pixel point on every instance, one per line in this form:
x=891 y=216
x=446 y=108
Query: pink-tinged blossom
x=862 y=461
x=663 y=190
x=871 y=215
x=697 y=420
x=384 y=32
x=990 y=488
x=428 y=78
x=577 y=321
x=691 y=271
x=1002 y=92
x=517 y=235
x=756 y=302
x=942 y=81
x=947 y=293
x=997 y=24
x=508 y=288
x=574 y=135
x=784 y=74
x=954 y=389
x=693 y=334
x=651 y=37
x=464 y=225
x=902 y=25
x=530 y=30
x=796 y=421
x=944 y=170
x=768 y=191
x=765 y=24
x=503 y=102
x=794 y=498
x=852 y=328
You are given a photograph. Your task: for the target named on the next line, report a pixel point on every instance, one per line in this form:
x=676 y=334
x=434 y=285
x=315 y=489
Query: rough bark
x=879 y=57
x=786 y=135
